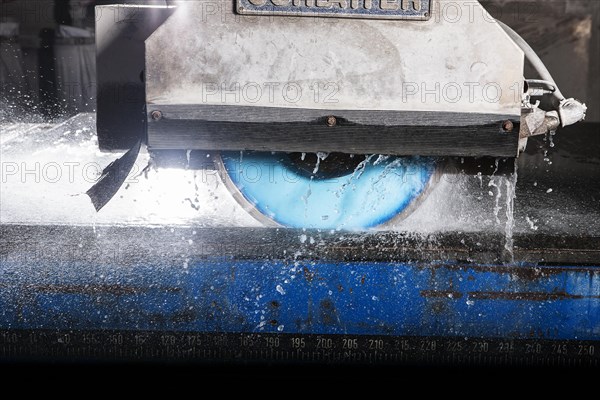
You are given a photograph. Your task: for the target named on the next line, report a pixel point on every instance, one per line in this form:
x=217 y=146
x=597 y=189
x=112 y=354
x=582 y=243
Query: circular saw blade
x=278 y=192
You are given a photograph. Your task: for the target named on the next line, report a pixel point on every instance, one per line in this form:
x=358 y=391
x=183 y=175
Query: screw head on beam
x=156 y=115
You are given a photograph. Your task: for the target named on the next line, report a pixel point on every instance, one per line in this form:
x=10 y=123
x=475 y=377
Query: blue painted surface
x=376 y=192
x=305 y=297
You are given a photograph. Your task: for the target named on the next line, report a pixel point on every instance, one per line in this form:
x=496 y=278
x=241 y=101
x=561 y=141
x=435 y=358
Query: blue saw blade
x=375 y=191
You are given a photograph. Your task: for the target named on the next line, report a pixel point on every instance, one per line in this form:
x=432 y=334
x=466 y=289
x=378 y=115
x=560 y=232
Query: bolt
x=508 y=126
x=156 y=115
x=331 y=121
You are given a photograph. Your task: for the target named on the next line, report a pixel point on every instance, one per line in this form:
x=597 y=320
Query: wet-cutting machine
x=318 y=180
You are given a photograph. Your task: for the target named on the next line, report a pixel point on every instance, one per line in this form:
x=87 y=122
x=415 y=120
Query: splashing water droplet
x=320 y=157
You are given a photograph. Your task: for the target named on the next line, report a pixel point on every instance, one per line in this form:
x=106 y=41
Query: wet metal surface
x=64 y=268
x=225 y=294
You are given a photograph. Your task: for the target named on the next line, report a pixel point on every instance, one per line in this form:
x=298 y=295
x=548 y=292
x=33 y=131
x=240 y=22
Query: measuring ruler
x=291 y=348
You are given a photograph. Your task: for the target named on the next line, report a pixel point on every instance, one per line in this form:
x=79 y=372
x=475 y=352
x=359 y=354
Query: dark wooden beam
x=205 y=127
